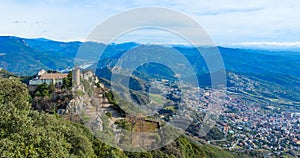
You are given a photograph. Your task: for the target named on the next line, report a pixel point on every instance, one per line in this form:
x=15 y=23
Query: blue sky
x=229 y=22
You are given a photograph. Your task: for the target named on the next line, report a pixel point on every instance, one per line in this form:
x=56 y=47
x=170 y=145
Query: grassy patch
x=158 y=99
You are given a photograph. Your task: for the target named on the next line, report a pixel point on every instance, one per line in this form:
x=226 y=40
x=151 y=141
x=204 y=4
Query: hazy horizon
x=230 y=23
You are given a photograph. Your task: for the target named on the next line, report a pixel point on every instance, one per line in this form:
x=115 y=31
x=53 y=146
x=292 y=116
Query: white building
x=44 y=77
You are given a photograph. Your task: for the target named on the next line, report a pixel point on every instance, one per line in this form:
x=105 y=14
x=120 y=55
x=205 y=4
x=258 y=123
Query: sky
x=228 y=22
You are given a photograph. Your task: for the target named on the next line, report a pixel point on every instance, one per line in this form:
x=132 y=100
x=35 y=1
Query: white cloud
x=231 y=21
x=264 y=44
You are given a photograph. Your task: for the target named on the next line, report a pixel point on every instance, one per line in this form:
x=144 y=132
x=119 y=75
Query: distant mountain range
x=27 y=56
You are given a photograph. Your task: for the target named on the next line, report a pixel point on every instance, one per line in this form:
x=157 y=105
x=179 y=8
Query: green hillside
x=28 y=133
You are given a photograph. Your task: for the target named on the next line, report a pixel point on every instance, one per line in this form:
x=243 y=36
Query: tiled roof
x=50 y=76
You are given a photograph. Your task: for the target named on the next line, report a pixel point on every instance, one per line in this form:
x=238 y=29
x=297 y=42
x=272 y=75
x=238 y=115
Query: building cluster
x=247 y=125
x=255 y=127
x=56 y=78
x=47 y=78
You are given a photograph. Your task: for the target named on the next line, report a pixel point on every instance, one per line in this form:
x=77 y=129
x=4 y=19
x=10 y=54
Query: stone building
x=44 y=77
x=76 y=76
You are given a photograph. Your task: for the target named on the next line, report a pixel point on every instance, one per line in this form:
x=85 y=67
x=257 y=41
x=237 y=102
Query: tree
x=67 y=82
x=15 y=93
x=109 y=114
x=42 y=90
x=19 y=134
x=27 y=133
x=51 y=88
